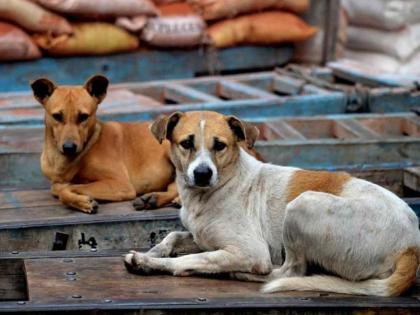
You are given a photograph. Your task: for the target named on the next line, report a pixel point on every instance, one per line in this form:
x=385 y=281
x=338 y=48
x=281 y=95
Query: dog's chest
x=200 y=228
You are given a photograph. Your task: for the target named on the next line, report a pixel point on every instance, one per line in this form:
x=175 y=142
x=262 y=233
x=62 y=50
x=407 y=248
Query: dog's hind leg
x=156 y=200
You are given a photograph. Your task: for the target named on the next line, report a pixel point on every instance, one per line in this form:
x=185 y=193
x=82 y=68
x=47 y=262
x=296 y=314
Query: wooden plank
x=47 y=211
x=412 y=178
x=287 y=85
x=48 y=283
x=333 y=142
x=185 y=94
x=284 y=131
x=12 y=280
x=360 y=130
x=50 y=287
x=30 y=220
x=235 y=90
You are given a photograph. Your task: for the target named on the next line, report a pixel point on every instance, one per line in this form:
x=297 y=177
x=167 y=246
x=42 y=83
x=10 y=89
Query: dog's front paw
x=86 y=204
x=176 y=202
x=159 y=251
x=136 y=262
x=145 y=202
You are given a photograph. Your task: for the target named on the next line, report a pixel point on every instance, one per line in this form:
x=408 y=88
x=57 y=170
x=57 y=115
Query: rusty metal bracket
x=358 y=95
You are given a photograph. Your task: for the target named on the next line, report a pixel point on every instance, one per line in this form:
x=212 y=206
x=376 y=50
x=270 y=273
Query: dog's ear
x=42 y=89
x=162 y=128
x=243 y=131
x=97 y=87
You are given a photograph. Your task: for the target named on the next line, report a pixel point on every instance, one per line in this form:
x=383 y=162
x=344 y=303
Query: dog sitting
x=87 y=160
x=242 y=214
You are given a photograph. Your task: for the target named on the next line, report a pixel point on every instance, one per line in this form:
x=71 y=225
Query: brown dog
x=86 y=159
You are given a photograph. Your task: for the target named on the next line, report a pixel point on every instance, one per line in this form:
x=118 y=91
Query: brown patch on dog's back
x=320 y=181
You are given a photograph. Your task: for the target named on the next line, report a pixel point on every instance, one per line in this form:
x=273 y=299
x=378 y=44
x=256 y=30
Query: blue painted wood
x=145 y=65
x=391 y=100
x=255 y=96
x=323 y=142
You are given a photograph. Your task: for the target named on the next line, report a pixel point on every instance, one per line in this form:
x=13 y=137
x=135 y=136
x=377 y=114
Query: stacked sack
x=222 y=23
x=262 y=22
x=384 y=34
x=67 y=27
x=31 y=28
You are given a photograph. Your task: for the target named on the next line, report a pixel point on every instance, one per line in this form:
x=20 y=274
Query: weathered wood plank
x=117 y=284
x=31 y=220
x=12 y=280
x=73 y=284
x=412 y=178
x=372 y=140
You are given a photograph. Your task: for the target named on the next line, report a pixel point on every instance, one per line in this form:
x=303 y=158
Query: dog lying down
x=88 y=160
x=241 y=214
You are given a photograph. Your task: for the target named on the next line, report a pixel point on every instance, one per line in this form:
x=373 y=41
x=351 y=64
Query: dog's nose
x=69 y=148
x=202 y=175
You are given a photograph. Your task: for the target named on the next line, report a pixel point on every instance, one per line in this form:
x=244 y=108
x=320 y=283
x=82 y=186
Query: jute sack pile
x=16 y=44
x=32 y=17
x=265 y=28
x=101 y=8
x=88 y=39
x=220 y=9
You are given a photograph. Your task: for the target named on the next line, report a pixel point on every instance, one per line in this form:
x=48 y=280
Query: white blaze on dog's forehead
x=202 y=126
x=202 y=157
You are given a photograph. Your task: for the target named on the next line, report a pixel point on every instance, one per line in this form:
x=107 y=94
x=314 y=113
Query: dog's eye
x=219 y=146
x=187 y=144
x=58 y=117
x=82 y=117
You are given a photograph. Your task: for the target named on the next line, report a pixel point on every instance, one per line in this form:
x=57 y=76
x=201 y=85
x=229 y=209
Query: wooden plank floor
x=84 y=282
x=39 y=207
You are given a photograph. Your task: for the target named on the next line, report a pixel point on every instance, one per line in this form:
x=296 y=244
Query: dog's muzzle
x=202 y=175
x=69 y=148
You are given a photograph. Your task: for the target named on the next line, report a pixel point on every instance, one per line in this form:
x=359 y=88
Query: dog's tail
x=399 y=281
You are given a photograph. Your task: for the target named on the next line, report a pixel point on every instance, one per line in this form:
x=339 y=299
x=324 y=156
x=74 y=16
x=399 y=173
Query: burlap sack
x=383 y=14
x=377 y=61
x=137 y=23
x=178 y=26
x=89 y=39
x=219 y=9
x=33 y=18
x=176 y=9
x=411 y=66
x=400 y=44
x=264 y=28
x=132 y=24
x=174 y=31
x=101 y=8
x=16 y=44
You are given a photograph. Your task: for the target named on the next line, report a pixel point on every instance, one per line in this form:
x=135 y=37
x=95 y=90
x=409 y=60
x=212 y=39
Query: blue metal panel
x=144 y=65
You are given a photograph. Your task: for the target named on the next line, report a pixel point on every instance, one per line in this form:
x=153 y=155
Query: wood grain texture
x=98 y=279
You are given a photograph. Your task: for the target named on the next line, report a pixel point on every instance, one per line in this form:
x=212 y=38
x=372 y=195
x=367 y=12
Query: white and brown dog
x=243 y=213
